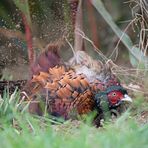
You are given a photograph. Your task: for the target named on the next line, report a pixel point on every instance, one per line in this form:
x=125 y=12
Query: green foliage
x=139 y=105
x=127 y=134
x=9 y=105
x=24 y=130
x=6 y=20
x=24 y=7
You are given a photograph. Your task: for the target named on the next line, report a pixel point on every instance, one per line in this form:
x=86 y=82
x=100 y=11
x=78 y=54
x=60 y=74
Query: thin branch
x=135 y=52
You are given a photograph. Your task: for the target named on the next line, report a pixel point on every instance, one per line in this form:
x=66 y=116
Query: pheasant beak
x=126 y=98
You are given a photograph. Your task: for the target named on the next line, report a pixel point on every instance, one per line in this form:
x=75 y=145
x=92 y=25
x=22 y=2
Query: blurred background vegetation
x=50 y=20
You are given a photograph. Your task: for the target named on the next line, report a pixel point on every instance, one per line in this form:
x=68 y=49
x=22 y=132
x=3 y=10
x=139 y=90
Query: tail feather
x=47 y=59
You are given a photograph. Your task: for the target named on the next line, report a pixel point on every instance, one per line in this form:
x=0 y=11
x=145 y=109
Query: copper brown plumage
x=67 y=91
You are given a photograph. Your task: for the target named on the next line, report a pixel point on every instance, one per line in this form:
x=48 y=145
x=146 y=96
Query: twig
x=81 y=33
x=135 y=52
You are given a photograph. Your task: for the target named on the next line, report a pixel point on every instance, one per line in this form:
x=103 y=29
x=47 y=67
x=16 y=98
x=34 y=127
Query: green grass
x=20 y=129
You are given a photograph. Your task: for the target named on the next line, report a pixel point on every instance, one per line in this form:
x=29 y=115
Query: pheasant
x=70 y=91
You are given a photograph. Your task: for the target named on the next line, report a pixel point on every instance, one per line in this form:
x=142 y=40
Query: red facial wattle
x=114 y=97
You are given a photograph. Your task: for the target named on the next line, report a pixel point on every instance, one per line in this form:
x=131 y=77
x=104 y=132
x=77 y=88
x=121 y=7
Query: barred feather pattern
x=69 y=94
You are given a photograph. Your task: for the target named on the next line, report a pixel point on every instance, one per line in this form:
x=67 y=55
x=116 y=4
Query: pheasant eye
x=114 y=94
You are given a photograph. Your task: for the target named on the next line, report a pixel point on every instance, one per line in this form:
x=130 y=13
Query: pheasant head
x=114 y=95
x=112 y=92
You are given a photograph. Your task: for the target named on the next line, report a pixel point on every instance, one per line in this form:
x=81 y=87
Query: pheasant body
x=68 y=93
x=71 y=90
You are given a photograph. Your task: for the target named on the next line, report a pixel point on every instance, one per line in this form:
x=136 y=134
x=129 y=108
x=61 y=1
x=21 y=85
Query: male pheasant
x=69 y=93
